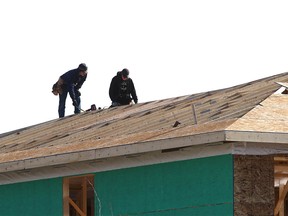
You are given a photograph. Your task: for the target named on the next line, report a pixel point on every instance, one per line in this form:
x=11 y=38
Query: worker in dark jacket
x=121 y=89
x=71 y=82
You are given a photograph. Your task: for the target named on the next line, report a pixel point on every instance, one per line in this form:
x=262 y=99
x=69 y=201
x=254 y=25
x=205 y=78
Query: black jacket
x=121 y=90
x=73 y=81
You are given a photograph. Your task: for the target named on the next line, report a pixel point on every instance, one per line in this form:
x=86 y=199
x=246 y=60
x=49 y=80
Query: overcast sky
x=171 y=47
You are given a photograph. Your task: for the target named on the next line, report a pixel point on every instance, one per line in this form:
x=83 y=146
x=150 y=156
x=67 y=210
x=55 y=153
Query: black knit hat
x=82 y=67
x=125 y=72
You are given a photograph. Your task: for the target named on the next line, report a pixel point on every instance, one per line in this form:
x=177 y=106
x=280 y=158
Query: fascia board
x=144 y=147
x=108 y=152
x=256 y=136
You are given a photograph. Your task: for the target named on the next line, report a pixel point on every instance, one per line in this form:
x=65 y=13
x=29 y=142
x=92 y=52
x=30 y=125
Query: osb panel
x=260 y=125
x=90 y=144
x=142 y=122
x=276 y=100
x=253 y=185
x=271 y=116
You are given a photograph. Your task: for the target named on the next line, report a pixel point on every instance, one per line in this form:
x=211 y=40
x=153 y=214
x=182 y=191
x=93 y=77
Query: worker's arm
x=113 y=90
x=80 y=83
x=71 y=90
x=133 y=93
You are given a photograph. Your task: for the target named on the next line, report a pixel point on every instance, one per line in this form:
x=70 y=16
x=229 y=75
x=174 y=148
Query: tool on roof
x=93 y=107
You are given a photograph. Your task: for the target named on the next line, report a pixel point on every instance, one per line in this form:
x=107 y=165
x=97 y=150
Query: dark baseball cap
x=125 y=72
x=82 y=67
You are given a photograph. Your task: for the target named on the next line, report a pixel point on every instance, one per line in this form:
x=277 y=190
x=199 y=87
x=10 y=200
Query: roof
x=238 y=113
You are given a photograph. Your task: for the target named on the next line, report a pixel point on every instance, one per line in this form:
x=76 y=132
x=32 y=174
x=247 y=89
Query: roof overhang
x=240 y=142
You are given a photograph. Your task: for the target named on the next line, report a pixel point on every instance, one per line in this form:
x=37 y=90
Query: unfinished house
x=222 y=152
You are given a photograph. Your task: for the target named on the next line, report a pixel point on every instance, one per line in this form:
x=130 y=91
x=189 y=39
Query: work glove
x=75 y=103
x=77 y=93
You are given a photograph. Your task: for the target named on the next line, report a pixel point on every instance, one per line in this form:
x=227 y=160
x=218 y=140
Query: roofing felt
x=156 y=120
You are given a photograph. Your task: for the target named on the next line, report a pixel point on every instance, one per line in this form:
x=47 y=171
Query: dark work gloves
x=75 y=103
x=77 y=93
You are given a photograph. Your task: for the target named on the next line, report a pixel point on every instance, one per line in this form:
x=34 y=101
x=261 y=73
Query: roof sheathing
x=139 y=124
x=270 y=116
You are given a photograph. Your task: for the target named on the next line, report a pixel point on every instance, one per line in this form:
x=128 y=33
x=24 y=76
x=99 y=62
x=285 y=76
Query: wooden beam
x=280 y=158
x=281 y=175
x=281 y=200
x=282 y=168
x=84 y=195
x=71 y=202
x=66 y=197
x=281 y=188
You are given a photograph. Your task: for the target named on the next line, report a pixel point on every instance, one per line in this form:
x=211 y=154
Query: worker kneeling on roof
x=121 y=89
x=71 y=82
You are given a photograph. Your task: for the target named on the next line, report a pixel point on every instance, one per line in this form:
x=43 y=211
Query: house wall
x=42 y=197
x=192 y=187
x=253 y=185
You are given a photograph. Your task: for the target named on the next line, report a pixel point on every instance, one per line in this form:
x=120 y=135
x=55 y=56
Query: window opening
x=78 y=196
x=281 y=185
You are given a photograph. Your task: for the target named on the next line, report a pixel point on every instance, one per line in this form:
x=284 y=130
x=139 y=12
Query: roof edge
x=256 y=136
x=114 y=151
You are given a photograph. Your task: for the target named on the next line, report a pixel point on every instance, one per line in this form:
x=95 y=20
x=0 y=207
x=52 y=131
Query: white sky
x=171 y=47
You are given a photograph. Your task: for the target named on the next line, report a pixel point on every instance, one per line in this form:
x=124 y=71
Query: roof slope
x=156 y=120
x=270 y=116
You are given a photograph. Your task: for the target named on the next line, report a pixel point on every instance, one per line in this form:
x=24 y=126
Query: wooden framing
x=75 y=195
x=280 y=178
x=279 y=206
x=66 y=196
x=281 y=190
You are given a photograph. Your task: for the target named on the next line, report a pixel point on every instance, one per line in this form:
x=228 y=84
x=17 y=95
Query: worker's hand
x=77 y=93
x=75 y=103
